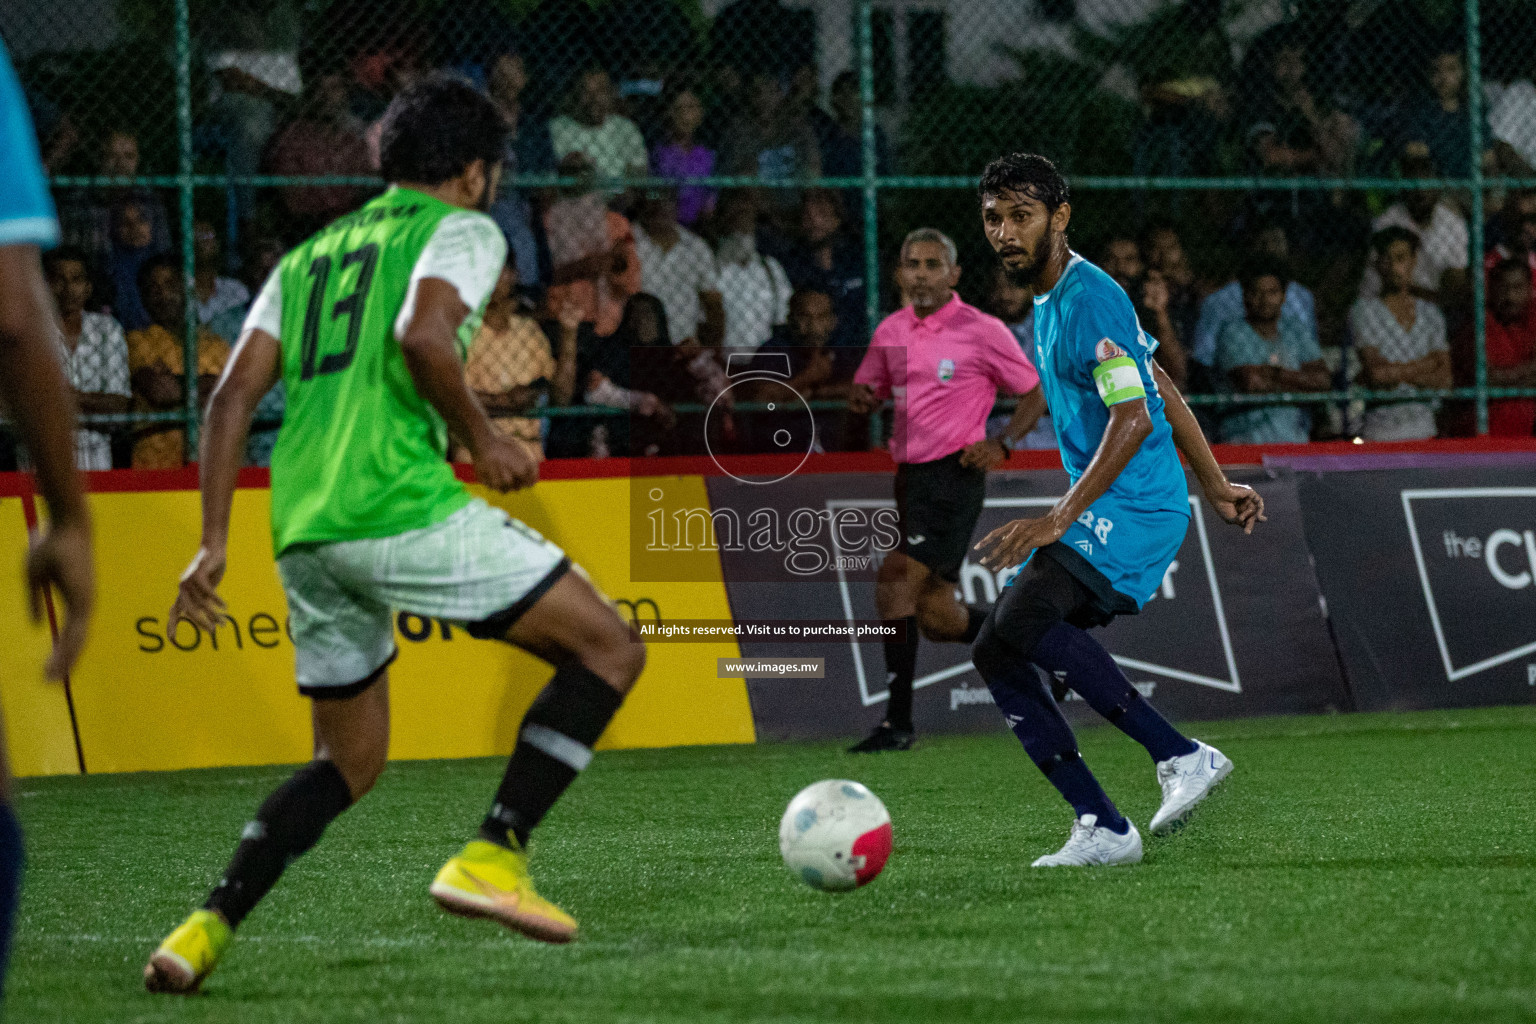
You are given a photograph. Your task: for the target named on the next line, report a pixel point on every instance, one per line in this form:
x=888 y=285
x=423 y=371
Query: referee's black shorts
x=938 y=504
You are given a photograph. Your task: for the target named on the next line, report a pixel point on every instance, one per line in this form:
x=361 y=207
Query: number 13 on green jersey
x=361 y=454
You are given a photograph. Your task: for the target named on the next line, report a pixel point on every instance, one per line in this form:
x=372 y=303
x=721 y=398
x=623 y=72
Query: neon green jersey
x=360 y=453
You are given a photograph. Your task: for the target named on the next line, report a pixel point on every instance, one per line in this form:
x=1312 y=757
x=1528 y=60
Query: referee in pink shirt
x=944 y=362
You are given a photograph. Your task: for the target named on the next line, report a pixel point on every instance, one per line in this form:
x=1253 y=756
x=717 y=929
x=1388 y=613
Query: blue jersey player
x=32 y=386
x=1104 y=547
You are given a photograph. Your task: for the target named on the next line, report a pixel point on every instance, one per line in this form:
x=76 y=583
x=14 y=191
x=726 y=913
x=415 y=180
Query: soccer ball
x=835 y=835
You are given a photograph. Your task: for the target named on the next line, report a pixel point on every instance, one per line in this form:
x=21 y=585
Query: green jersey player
x=366 y=324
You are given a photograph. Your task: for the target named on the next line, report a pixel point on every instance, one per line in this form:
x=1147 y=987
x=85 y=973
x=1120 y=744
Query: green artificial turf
x=1354 y=868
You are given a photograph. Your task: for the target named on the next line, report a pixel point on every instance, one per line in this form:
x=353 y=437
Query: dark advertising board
x=1236 y=628
x=1430 y=577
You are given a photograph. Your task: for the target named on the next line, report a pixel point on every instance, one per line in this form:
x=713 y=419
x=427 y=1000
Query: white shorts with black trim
x=479 y=568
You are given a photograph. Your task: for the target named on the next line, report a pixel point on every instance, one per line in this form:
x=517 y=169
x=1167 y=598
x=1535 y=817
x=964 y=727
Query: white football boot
x=1092 y=844
x=1186 y=781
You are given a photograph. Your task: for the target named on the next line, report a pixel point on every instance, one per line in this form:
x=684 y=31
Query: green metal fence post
x=184 y=186
x=1479 y=283
x=871 y=194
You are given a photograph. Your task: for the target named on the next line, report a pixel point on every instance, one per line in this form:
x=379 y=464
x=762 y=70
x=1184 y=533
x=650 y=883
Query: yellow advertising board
x=146 y=699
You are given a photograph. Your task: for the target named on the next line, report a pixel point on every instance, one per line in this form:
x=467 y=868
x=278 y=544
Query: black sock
x=976 y=616
x=288 y=823
x=11 y=859
x=900 y=669
x=553 y=746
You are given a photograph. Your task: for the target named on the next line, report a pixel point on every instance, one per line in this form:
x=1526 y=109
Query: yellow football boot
x=486 y=880
x=189 y=954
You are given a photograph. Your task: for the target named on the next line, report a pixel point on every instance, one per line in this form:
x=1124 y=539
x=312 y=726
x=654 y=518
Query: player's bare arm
x=433 y=316
x=990 y=451
x=33 y=389
x=1129 y=425
x=252 y=369
x=1026 y=414
x=1237 y=504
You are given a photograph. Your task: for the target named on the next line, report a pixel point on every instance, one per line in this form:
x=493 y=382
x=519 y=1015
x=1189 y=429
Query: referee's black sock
x=288 y=823
x=553 y=746
x=900 y=669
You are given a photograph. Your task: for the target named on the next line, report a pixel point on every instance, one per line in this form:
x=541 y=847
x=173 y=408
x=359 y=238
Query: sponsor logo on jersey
x=946 y=370
x=1107 y=350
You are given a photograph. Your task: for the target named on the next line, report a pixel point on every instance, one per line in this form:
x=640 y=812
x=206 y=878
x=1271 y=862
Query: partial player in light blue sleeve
x=36 y=394
x=26 y=210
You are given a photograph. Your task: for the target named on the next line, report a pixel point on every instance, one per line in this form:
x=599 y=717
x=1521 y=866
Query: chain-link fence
x=1295 y=193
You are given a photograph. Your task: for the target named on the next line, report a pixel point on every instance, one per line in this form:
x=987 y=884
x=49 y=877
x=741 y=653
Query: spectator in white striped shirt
x=754 y=288
x=678 y=268
x=93 y=351
x=1400 y=338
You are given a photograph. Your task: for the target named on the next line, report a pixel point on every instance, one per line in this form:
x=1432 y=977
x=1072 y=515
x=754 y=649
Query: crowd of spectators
x=598 y=270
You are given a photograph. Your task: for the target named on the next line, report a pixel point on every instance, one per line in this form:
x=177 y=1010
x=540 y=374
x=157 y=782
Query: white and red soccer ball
x=835 y=835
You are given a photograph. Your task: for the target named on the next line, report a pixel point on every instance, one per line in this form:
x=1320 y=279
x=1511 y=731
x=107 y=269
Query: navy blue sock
x=1098 y=680
x=11 y=857
x=1036 y=720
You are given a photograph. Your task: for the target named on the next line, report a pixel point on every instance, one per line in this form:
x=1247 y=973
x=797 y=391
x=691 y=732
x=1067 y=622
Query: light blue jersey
x=26 y=209
x=1092 y=354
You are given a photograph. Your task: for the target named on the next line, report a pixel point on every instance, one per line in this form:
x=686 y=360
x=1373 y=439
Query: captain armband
x=1118 y=380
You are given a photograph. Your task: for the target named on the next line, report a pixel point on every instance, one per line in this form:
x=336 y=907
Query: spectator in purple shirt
x=681 y=156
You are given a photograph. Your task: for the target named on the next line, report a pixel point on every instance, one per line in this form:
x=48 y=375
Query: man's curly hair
x=1025 y=174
